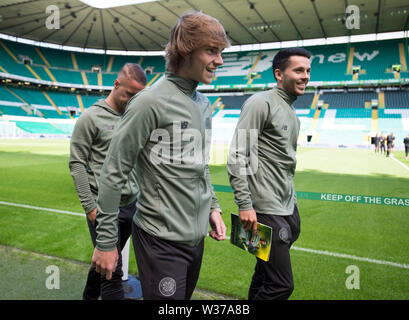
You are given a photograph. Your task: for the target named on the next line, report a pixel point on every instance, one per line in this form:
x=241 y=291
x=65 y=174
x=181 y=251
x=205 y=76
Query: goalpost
x=8 y=129
x=125 y=260
x=132 y=285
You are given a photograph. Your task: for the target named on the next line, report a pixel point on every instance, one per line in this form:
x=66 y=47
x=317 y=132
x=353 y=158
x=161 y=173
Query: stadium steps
x=7 y=95
x=402 y=57
x=313 y=125
x=381 y=99
x=92 y=78
x=315 y=100
x=80 y=103
x=153 y=79
x=110 y=63
x=57 y=58
x=214 y=104
x=8 y=51
x=74 y=61
x=20 y=98
x=374 y=126
x=50 y=74
x=47 y=64
x=8 y=59
x=84 y=78
x=52 y=103
x=252 y=68
x=316 y=137
x=42 y=57
x=350 y=60
x=33 y=72
x=99 y=78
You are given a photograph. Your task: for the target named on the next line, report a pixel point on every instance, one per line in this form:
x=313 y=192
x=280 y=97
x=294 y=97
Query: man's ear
x=278 y=74
x=116 y=83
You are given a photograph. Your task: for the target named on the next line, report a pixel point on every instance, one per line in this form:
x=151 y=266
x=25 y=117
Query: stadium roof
x=146 y=26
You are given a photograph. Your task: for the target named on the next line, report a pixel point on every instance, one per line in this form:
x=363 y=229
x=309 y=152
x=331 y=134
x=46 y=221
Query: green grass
x=35 y=172
x=24 y=277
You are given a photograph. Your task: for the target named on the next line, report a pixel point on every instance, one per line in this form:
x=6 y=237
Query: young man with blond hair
x=261 y=173
x=164 y=133
x=89 y=145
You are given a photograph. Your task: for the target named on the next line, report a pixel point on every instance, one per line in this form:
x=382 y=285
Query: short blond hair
x=192 y=31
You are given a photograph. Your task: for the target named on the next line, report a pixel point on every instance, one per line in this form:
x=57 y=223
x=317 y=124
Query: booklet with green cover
x=259 y=245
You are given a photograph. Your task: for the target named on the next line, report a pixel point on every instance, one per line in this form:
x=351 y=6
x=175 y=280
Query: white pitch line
x=41 y=209
x=348 y=256
x=400 y=162
x=321 y=252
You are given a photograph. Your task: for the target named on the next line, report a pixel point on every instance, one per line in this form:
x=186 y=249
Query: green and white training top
x=88 y=148
x=165 y=135
x=261 y=171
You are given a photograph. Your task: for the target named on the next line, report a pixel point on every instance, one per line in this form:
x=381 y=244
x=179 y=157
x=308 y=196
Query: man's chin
x=299 y=92
x=206 y=81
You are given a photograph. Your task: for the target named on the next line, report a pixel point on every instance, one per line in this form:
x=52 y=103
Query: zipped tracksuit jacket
x=164 y=135
x=269 y=187
x=88 y=148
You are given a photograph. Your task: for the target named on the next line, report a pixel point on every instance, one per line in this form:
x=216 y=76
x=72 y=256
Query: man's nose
x=306 y=76
x=219 y=60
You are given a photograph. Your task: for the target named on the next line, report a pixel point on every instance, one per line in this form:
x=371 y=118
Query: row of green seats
x=329 y=63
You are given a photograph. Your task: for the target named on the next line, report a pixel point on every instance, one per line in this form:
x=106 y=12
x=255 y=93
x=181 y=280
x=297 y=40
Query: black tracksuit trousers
x=167 y=270
x=273 y=280
x=97 y=285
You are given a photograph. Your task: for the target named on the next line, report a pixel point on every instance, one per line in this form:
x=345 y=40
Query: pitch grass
x=25 y=277
x=35 y=172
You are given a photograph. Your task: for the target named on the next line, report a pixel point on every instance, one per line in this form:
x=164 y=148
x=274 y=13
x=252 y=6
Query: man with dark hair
x=382 y=141
x=390 y=143
x=376 y=140
x=89 y=145
x=406 y=143
x=165 y=134
x=261 y=172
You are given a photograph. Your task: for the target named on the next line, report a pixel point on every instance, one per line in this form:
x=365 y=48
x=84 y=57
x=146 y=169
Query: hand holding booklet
x=259 y=245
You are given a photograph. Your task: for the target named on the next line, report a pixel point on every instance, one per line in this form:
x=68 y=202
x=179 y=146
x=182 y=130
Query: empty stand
x=234 y=102
x=304 y=101
x=395 y=99
x=376 y=59
x=348 y=99
x=346 y=117
x=329 y=63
